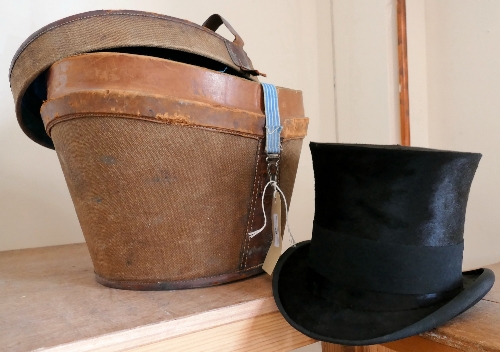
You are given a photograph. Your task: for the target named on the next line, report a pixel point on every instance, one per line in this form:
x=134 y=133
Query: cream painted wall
x=366 y=71
x=454 y=79
x=307 y=45
x=290 y=40
x=463 y=77
x=417 y=70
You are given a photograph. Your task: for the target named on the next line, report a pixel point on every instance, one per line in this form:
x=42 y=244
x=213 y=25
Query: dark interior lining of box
x=178 y=56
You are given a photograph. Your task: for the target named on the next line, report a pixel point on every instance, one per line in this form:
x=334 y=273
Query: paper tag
x=275 y=249
x=276 y=230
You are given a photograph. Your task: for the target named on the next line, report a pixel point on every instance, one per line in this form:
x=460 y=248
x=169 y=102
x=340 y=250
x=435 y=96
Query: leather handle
x=235 y=48
x=216 y=20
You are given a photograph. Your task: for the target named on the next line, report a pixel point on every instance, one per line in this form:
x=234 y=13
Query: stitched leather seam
x=101 y=93
x=234 y=57
x=62 y=118
x=73 y=116
x=254 y=204
x=292 y=138
x=173 y=282
x=251 y=218
x=255 y=193
x=243 y=62
x=252 y=267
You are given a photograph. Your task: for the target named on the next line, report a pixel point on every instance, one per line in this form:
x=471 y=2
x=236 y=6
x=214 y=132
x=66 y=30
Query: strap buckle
x=272 y=166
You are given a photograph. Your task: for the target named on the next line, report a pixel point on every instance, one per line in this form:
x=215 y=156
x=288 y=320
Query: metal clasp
x=272 y=166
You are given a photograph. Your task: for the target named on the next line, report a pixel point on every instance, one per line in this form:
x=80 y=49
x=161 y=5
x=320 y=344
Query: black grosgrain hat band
x=365 y=300
x=385 y=267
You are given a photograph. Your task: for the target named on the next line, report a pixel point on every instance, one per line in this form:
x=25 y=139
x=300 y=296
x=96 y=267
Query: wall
x=366 y=71
x=342 y=55
x=463 y=76
x=454 y=85
x=417 y=70
x=288 y=40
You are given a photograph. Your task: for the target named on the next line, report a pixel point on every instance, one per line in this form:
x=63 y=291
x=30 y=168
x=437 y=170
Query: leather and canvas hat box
x=385 y=258
x=159 y=127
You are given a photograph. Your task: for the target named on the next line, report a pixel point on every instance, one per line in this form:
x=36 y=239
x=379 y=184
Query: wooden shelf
x=51 y=302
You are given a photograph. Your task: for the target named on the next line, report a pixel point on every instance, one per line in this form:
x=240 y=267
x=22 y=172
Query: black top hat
x=385 y=258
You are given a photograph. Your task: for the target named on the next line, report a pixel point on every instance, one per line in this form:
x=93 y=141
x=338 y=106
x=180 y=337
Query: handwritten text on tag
x=275 y=249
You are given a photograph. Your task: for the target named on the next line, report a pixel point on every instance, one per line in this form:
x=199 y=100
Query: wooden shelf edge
x=147 y=334
x=269 y=332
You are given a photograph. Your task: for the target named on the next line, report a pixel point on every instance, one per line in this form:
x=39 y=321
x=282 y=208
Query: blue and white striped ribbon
x=273 y=146
x=273 y=123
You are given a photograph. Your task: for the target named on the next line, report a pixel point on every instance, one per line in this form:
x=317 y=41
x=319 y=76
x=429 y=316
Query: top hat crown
x=385 y=258
x=393 y=194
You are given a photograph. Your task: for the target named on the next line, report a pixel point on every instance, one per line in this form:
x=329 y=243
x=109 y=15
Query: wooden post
x=404 y=104
x=330 y=347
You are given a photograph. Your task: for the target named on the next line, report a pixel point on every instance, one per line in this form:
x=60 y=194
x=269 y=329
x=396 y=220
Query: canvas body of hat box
x=385 y=258
x=159 y=127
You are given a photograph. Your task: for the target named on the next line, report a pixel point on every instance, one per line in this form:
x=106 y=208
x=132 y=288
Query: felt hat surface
x=385 y=258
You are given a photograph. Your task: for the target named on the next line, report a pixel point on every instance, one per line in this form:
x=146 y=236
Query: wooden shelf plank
x=50 y=301
x=330 y=347
x=418 y=344
x=50 y=298
x=263 y=333
x=142 y=335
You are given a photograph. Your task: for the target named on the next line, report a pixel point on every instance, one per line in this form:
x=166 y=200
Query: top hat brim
x=329 y=321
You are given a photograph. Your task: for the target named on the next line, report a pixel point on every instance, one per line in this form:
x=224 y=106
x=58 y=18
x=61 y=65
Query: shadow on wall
x=35 y=205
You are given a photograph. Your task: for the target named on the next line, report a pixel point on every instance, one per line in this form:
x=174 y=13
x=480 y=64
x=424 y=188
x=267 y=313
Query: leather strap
x=163 y=91
x=161 y=109
x=235 y=48
x=215 y=21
